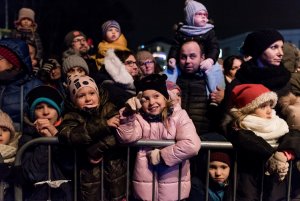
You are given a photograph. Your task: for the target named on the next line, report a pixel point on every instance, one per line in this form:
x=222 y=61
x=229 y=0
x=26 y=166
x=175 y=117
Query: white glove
x=206 y=64
x=278 y=164
x=172 y=63
x=154 y=156
x=134 y=103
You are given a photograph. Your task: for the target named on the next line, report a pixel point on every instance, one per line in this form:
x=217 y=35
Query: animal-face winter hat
x=74 y=61
x=75 y=83
x=108 y=24
x=44 y=94
x=191 y=7
x=258 y=41
x=71 y=35
x=5 y=121
x=247 y=97
x=155 y=82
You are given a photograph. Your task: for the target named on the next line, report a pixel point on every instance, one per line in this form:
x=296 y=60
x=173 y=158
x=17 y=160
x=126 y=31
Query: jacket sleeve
x=247 y=142
x=130 y=129
x=290 y=141
x=212 y=46
x=187 y=142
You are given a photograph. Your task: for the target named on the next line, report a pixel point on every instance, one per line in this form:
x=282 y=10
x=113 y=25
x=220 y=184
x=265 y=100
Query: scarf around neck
x=195 y=31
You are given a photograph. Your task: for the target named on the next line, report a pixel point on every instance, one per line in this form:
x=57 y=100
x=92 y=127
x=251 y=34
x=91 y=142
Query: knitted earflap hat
x=5 y=121
x=258 y=41
x=10 y=56
x=74 y=61
x=191 y=7
x=75 y=83
x=110 y=23
x=44 y=94
x=247 y=97
x=26 y=13
x=155 y=82
x=220 y=156
x=71 y=35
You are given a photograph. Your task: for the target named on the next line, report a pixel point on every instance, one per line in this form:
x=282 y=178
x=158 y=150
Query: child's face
x=55 y=73
x=4 y=64
x=264 y=110
x=112 y=34
x=131 y=67
x=87 y=97
x=153 y=102
x=76 y=71
x=177 y=96
x=219 y=171
x=4 y=135
x=45 y=111
x=200 y=18
x=26 y=23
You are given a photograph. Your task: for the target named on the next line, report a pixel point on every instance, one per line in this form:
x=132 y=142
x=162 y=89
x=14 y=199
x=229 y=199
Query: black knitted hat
x=258 y=41
x=154 y=81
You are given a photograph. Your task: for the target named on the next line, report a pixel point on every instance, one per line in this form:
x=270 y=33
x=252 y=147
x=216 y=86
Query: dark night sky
x=143 y=20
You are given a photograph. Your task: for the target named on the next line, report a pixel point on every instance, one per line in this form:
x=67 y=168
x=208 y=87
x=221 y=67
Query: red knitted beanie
x=10 y=56
x=221 y=157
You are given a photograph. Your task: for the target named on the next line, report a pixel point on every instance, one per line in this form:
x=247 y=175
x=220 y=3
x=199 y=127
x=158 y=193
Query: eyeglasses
x=201 y=13
x=130 y=63
x=79 y=40
x=141 y=64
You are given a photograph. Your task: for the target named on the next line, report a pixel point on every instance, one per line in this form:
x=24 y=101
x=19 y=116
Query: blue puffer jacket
x=10 y=90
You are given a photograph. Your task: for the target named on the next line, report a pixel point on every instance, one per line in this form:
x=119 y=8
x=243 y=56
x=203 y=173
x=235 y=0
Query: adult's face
x=236 y=65
x=273 y=54
x=131 y=67
x=80 y=45
x=190 y=57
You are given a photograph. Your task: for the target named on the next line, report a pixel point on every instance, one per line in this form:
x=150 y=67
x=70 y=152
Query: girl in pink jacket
x=151 y=115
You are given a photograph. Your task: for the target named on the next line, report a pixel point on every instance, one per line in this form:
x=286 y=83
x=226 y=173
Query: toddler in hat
x=112 y=38
x=219 y=183
x=198 y=28
x=75 y=65
x=8 y=149
x=254 y=115
x=26 y=29
x=152 y=116
x=90 y=127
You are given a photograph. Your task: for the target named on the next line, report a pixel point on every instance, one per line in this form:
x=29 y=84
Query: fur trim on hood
x=117 y=70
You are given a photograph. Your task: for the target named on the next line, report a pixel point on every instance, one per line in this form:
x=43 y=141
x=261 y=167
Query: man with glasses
x=76 y=42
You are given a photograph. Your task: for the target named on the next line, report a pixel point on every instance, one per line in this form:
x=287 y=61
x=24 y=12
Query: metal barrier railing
x=210 y=145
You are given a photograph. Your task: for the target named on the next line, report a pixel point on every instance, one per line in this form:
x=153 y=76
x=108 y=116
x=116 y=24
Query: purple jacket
x=182 y=130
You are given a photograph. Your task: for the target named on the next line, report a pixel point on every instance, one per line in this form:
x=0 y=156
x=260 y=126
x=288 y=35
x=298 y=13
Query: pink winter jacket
x=182 y=130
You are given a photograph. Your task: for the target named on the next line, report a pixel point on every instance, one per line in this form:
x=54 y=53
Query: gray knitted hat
x=191 y=7
x=5 y=121
x=74 y=61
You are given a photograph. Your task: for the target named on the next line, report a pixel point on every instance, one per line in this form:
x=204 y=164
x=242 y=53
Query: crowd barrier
x=207 y=145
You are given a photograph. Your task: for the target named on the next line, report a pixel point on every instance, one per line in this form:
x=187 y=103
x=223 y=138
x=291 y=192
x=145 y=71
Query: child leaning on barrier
x=8 y=149
x=89 y=125
x=45 y=111
x=151 y=115
x=253 y=115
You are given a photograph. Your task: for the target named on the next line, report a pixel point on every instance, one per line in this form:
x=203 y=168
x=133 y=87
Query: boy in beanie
x=90 y=126
x=26 y=29
x=253 y=115
x=8 y=149
x=74 y=65
x=198 y=28
x=45 y=105
x=112 y=38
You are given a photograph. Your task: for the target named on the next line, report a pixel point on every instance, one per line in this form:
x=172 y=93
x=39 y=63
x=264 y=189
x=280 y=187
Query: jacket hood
x=20 y=48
